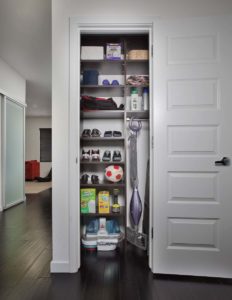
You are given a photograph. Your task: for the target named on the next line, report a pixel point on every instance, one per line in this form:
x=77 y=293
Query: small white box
x=92 y=52
x=110 y=78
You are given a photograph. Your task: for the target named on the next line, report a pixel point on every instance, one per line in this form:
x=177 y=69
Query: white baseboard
x=59 y=267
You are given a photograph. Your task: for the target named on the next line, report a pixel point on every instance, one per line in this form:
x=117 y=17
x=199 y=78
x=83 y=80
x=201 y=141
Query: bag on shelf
x=97 y=103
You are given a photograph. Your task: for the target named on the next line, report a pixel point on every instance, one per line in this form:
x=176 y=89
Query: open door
x=192 y=109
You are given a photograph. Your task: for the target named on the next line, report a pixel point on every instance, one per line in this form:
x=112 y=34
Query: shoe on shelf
x=108 y=133
x=96 y=133
x=84 y=178
x=117 y=156
x=86 y=133
x=95 y=155
x=95 y=179
x=85 y=155
x=106 y=156
x=117 y=133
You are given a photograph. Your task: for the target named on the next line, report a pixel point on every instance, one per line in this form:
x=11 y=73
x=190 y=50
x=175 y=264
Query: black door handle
x=225 y=161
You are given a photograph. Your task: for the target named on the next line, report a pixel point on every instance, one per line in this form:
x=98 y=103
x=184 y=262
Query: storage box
x=138 y=54
x=90 y=77
x=92 y=53
x=32 y=169
x=113 y=51
x=110 y=78
x=88 y=201
x=104 y=202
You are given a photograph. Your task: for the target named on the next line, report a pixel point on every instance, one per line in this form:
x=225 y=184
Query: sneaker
x=95 y=154
x=106 y=156
x=108 y=134
x=117 y=156
x=86 y=133
x=84 y=178
x=117 y=133
x=95 y=179
x=95 y=133
x=85 y=155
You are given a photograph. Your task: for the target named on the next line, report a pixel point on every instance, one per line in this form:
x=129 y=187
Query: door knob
x=225 y=161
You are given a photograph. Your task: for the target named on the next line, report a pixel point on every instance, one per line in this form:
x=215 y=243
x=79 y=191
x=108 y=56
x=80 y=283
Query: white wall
x=61 y=11
x=33 y=124
x=12 y=84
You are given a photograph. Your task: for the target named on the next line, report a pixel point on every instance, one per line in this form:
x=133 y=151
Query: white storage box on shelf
x=92 y=53
x=110 y=78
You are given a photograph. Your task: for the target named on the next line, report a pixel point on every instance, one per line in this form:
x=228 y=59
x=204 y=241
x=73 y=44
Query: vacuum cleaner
x=135 y=237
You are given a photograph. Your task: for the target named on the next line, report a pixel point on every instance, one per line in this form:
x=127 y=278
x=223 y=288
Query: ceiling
x=25 y=44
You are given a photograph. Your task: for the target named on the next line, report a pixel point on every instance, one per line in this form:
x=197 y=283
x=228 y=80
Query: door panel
x=14 y=154
x=192 y=121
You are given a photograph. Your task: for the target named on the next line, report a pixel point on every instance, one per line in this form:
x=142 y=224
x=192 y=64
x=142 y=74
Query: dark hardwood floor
x=25 y=254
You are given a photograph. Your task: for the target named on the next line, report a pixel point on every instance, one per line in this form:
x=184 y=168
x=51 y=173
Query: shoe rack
x=111 y=119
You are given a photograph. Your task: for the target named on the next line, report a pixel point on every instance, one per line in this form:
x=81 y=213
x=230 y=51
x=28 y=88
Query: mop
x=135 y=237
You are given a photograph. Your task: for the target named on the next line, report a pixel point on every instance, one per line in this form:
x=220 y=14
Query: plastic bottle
x=134 y=99
x=145 y=99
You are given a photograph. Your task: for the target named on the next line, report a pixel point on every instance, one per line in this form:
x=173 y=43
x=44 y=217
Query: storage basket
x=138 y=54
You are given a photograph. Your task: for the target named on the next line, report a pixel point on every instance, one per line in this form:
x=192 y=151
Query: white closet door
x=14 y=154
x=192 y=111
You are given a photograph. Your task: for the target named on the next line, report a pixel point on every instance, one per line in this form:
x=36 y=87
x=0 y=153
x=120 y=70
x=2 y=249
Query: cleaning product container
x=134 y=99
x=145 y=99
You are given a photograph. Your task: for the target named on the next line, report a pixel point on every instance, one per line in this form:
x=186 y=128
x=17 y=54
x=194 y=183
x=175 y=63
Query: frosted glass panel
x=14 y=165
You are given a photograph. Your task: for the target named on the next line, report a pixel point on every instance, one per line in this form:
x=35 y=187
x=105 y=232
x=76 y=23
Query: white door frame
x=87 y=25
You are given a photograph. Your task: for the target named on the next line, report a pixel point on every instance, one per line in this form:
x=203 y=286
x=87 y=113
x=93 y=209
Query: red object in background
x=32 y=169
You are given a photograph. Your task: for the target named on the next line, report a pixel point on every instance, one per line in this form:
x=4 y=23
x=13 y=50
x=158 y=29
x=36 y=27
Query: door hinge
x=152 y=51
x=152 y=234
x=76 y=160
x=152 y=142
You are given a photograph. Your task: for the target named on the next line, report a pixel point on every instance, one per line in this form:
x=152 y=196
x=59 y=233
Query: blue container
x=90 y=77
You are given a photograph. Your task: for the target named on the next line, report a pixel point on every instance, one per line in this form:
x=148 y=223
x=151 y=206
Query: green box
x=88 y=201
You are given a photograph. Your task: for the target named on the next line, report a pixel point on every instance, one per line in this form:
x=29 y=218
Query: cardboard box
x=104 y=202
x=88 y=201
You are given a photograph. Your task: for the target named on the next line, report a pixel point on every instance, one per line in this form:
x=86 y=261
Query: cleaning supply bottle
x=134 y=99
x=145 y=99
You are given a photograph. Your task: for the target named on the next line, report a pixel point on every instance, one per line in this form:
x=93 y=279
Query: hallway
x=25 y=254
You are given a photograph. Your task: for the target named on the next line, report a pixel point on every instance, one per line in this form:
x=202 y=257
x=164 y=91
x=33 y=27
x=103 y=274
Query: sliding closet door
x=14 y=153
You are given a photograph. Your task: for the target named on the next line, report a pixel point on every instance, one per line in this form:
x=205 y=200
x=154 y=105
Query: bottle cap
x=134 y=90
x=146 y=90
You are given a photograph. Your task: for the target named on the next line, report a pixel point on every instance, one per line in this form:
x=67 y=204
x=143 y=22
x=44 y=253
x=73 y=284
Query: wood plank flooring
x=25 y=254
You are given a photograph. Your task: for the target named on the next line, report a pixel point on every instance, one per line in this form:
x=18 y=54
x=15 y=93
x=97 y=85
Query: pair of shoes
x=85 y=177
x=88 y=133
x=93 y=154
x=106 y=82
x=114 y=133
x=116 y=156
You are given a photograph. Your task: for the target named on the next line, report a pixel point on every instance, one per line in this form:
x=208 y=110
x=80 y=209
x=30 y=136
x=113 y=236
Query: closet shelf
x=110 y=214
x=141 y=114
x=102 y=114
x=98 y=86
x=137 y=60
x=121 y=86
x=103 y=185
x=101 y=163
x=114 y=61
x=102 y=61
x=102 y=139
